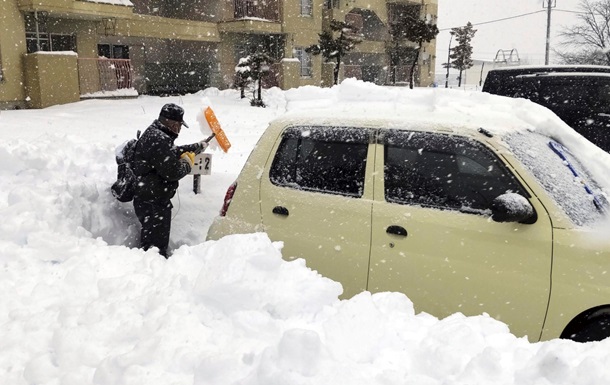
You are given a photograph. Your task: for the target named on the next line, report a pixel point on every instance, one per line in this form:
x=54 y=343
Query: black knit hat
x=173 y=112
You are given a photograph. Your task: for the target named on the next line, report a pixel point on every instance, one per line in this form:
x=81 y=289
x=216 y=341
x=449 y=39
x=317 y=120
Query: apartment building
x=59 y=51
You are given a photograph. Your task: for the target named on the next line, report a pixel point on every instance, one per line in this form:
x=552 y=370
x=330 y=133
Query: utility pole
x=448 y=61
x=548 y=4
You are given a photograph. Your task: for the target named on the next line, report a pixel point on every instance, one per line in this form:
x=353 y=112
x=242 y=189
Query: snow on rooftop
x=126 y=3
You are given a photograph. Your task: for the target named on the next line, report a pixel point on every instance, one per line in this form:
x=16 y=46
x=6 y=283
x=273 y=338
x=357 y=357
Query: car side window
x=443 y=171
x=328 y=160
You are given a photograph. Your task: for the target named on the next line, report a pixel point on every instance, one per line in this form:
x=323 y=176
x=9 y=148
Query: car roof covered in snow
x=434 y=108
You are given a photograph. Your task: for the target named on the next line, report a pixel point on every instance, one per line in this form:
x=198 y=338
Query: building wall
x=301 y=32
x=12 y=49
x=428 y=59
x=205 y=42
x=51 y=78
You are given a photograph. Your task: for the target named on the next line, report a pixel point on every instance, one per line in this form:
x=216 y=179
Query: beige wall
x=86 y=47
x=12 y=49
x=163 y=28
x=227 y=60
x=290 y=69
x=427 y=69
x=302 y=31
x=51 y=79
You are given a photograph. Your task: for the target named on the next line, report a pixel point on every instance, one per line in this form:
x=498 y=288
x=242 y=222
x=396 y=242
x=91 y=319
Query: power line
x=498 y=20
x=514 y=17
x=568 y=11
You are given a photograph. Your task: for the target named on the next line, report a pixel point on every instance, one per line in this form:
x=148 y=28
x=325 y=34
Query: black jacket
x=157 y=164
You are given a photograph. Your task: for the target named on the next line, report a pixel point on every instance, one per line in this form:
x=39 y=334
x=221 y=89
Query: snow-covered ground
x=78 y=306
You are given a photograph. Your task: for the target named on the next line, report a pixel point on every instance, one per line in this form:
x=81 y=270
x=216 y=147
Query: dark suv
x=579 y=95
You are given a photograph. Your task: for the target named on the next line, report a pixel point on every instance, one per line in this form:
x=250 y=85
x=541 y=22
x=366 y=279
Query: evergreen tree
x=254 y=67
x=243 y=75
x=408 y=28
x=461 y=54
x=334 y=44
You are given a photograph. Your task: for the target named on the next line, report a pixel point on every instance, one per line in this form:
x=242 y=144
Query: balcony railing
x=261 y=9
x=271 y=79
x=107 y=74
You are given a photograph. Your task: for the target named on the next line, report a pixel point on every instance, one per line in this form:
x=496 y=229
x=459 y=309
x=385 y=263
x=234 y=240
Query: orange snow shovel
x=220 y=136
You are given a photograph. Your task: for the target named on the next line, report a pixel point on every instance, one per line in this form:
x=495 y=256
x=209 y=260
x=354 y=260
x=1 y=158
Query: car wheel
x=595 y=329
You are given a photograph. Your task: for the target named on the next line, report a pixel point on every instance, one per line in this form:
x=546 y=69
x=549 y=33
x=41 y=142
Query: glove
x=203 y=145
x=189 y=157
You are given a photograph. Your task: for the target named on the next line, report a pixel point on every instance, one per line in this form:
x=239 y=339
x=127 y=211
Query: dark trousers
x=156 y=220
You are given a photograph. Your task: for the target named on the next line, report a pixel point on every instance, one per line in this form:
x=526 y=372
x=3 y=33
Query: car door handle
x=280 y=210
x=396 y=230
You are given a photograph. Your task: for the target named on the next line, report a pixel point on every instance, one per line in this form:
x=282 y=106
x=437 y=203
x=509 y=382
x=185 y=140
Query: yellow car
x=459 y=217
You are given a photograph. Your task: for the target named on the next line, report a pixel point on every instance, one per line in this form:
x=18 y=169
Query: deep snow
x=80 y=307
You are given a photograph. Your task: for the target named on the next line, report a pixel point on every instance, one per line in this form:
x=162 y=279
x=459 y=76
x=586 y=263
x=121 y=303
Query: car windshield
x=564 y=178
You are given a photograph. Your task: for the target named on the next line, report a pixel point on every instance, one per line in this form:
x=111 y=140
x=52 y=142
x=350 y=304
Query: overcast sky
x=526 y=34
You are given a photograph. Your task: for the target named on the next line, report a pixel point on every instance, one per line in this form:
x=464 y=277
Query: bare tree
x=587 y=42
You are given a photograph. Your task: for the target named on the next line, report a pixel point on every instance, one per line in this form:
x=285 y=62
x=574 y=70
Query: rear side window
x=443 y=171
x=575 y=92
x=556 y=91
x=323 y=159
x=507 y=84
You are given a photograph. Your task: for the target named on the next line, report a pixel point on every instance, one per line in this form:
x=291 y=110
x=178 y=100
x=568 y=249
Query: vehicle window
x=443 y=171
x=328 y=160
x=566 y=91
x=575 y=92
x=566 y=181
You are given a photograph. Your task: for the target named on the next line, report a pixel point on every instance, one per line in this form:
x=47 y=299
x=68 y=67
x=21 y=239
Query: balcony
x=259 y=9
x=78 y=9
x=400 y=12
x=411 y=2
x=101 y=74
x=254 y=16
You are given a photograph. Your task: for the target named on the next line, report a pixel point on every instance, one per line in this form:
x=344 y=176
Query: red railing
x=271 y=79
x=114 y=74
x=268 y=10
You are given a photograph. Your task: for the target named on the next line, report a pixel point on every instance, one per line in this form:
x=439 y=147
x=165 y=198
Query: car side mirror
x=512 y=207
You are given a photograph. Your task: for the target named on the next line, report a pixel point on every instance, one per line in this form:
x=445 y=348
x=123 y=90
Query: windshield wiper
x=560 y=151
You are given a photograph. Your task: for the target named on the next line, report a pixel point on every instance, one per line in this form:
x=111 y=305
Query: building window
x=62 y=42
x=305 y=59
x=37 y=43
x=111 y=51
x=306 y=7
x=330 y=4
x=49 y=42
x=38 y=38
